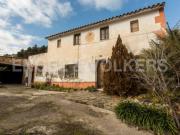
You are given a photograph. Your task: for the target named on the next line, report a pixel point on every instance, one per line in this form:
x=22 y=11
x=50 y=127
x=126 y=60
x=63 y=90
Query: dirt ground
x=25 y=111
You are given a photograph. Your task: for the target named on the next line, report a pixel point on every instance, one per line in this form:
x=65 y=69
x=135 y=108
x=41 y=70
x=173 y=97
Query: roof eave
x=108 y=21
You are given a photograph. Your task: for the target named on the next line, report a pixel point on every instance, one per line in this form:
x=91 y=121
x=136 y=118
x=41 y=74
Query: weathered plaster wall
x=92 y=49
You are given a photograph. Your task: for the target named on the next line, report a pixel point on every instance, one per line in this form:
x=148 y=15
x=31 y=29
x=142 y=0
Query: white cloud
x=38 y=12
x=3 y=23
x=12 y=39
x=103 y=4
x=41 y=12
x=19 y=27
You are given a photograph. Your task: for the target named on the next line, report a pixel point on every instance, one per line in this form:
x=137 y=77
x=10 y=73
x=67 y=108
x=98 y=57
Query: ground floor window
x=71 y=71
x=39 y=71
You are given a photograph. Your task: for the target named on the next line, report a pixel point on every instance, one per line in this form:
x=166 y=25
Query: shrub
x=163 y=81
x=91 y=89
x=45 y=86
x=146 y=117
x=122 y=82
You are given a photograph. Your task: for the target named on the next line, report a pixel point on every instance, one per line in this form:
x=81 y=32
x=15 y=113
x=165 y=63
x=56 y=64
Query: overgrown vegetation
x=91 y=89
x=146 y=117
x=118 y=79
x=159 y=75
x=163 y=79
x=45 y=86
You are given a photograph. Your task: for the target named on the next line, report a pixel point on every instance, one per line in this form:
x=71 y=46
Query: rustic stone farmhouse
x=73 y=55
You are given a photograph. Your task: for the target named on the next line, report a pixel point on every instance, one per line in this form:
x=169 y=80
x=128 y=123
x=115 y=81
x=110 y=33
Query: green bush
x=146 y=117
x=91 y=89
x=45 y=86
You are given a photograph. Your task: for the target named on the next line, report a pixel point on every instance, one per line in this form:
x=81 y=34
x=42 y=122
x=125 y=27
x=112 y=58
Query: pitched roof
x=108 y=20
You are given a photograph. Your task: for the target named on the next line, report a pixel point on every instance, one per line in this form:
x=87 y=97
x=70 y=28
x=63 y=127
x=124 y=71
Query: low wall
x=75 y=84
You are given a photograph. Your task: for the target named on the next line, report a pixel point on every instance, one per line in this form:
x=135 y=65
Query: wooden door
x=33 y=74
x=100 y=73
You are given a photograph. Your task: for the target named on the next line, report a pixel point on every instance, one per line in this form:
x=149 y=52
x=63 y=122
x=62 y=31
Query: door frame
x=33 y=75
x=96 y=70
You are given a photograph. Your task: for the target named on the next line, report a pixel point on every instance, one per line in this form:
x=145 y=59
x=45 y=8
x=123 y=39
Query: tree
x=31 y=51
x=164 y=83
x=118 y=78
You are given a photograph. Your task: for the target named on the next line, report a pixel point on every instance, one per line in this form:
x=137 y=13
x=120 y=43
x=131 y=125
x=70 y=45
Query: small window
x=77 y=39
x=134 y=26
x=58 y=43
x=39 y=71
x=104 y=33
x=71 y=71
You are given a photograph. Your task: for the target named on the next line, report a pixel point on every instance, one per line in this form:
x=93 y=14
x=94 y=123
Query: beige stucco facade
x=92 y=48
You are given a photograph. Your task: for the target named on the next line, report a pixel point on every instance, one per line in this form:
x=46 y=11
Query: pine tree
x=119 y=80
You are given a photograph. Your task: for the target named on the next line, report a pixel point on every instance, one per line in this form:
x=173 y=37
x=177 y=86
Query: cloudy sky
x=24 y=23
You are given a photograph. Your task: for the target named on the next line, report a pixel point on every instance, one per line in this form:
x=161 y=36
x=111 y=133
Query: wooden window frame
x=131 y=25
x=58 y=43
x=77 y=39
x=104 y=33
x=39 y=68
x=74 y=74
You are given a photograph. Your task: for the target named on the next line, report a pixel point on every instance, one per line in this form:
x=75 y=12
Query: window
x=39 y=71
x=134 y=26
x=77 y=39
x=71 y=71
x=58 y=43
x=104 y=33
